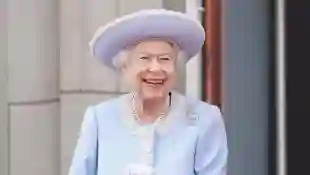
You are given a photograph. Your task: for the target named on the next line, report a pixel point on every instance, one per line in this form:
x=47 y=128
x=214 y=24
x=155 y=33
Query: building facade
x=47 y=79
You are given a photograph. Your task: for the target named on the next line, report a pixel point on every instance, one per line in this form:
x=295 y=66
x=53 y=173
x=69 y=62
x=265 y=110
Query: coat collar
x=161 y=125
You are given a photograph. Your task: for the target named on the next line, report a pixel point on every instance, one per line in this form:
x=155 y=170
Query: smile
x=154 y=82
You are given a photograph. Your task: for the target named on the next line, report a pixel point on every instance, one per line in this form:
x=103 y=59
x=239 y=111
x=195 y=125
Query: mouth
x=154 y=82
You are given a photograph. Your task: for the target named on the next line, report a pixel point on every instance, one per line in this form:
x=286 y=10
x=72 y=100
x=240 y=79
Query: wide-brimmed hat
x=176 y=27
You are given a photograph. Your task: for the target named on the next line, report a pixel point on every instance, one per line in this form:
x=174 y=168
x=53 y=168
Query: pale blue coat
x=190 y=141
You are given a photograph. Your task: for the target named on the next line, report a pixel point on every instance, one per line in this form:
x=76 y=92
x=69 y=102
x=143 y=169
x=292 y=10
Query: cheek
x=132 y=77
x=172 y=76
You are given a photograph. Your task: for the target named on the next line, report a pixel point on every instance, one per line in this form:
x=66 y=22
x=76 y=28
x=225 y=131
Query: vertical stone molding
x=33 y=87
x=32 y=50
x=4 y=120
x=34 y=139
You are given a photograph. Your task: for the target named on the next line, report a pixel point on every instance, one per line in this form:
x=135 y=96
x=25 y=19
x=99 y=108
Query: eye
x=144 y=58
x=164 y=58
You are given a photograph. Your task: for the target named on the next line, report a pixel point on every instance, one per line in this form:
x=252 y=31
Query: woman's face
x=151 y=68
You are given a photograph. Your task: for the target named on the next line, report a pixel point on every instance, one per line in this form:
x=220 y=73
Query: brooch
x=192 y=119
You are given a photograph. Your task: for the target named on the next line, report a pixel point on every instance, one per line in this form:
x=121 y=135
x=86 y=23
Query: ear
x=123 y=69
x=125 y=75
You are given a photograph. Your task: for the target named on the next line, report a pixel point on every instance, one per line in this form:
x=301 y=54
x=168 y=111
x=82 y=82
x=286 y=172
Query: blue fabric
x=190 y=145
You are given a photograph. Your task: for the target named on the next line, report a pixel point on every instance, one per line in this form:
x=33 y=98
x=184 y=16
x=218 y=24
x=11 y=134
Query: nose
x=155 y=65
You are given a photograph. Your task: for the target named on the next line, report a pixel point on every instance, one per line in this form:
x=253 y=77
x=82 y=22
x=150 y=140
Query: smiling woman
x=150 y=68
x=164 y=132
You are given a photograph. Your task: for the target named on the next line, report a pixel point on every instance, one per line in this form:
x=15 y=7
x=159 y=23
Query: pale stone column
x=33 y=87
x=178 y=5
x=126 y=7
x=79 y=21
x=4 y=120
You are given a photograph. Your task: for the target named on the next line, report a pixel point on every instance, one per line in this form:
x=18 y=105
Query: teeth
x=154 y=81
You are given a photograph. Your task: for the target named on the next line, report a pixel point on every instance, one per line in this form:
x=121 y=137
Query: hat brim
x=109 y=40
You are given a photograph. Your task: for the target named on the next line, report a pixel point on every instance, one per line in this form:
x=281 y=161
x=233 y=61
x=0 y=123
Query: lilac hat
x=173 y=26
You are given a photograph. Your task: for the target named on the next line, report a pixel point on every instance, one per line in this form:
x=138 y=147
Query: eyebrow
x=161 y=54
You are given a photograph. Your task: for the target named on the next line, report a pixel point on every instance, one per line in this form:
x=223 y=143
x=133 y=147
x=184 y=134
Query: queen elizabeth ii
x=153 y=130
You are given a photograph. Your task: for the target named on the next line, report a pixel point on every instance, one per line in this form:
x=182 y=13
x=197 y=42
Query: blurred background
x=48 y=78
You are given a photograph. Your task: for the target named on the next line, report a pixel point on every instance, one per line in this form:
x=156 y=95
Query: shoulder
x=208 y=113
x=208 y=116
x=108 y=107
x=210 y=125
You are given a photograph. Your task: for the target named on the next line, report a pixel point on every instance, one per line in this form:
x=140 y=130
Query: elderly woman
x=152 y=130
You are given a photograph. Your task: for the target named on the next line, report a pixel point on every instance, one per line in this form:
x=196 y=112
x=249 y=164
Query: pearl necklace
x=161 y=116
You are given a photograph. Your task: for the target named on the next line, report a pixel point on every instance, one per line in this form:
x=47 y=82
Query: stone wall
x=48 y=78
